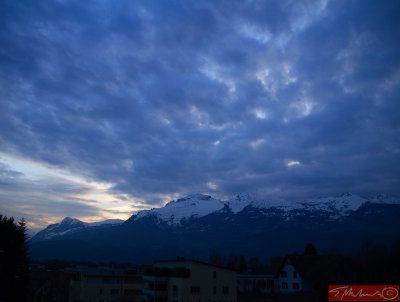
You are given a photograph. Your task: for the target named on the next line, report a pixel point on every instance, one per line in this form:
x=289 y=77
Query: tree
x=243 y=265
x=216 y=258
x=253 y=265
x=13 y=259
x=310 y=250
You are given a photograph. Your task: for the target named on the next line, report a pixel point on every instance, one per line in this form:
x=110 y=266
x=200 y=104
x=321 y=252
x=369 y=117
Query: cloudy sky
x=108 y=107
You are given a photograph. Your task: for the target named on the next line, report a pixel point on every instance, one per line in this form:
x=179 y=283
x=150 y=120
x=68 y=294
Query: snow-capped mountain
x=338 y=206
x=239 y=202
x=192 y=226
x=384 y=199
x=198 y=205
x=192 y=206
x=69 y=225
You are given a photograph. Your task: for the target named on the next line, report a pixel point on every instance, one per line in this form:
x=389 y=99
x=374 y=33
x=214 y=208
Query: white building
x=285 y=280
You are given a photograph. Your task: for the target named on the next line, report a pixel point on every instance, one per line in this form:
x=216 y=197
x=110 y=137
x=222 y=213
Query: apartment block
x=185 y=280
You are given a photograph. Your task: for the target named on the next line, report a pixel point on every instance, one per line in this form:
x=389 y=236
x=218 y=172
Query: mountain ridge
x=251 y=232
x=70 y=225
x=200 y=205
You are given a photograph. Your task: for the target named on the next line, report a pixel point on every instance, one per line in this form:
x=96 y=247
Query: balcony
x=153 y=292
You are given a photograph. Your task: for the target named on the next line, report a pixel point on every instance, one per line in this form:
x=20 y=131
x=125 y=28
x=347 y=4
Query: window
x=195 y=289
x=132 y=280
x=294 y=274
x=101 y=291
x=225 y=290
x=270 y=283
x=174 y=290
x=296 y=285
x=114 y=291
x=263 y=284
x=214 y=290
x=283 y=274
x=284 y=285
x=131 y=292
x=215 y=274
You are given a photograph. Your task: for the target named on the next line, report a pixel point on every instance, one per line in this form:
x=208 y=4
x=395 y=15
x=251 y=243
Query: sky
x=110 y=107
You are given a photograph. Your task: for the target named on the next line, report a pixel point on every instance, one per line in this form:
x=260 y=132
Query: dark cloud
x=186 y=96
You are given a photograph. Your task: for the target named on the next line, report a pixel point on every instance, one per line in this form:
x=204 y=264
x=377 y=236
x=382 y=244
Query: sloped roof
x=184 y=260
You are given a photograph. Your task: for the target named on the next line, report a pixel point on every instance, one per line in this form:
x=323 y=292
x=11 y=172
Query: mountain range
x=195 y=225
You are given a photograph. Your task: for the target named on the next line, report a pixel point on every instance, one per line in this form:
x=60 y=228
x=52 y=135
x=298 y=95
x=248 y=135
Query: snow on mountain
x=70 y=225
x=199 y=205
x=105 y=222
x=73 y=222
x=342 y=205
x=278 y=203
x=240 y=201
x=385 y=199
x=196 y=205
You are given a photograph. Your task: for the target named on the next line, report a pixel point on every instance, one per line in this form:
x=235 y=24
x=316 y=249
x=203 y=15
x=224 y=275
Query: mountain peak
x=239 y=202
x=244 y=196
x=194 y=196
x=195 y=205
x=69 y=220
x=384 y=198
x=69 y=225
x=341 y=205
x=381 y=196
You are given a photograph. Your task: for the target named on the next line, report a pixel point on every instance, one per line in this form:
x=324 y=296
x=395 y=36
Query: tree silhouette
x=310 y=250
x=216 y=258
x=243 y=265
x=13 y=260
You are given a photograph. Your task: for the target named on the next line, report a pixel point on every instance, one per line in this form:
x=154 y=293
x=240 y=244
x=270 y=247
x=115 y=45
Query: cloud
x=162 y=99
x=43 y=194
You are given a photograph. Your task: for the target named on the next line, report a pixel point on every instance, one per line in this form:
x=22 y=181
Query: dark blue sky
x=111 y=106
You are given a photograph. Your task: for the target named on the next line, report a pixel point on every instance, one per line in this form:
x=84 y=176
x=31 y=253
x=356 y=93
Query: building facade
x=185 y=280
x=107 y=285
x=287 y=278
x=262 y=283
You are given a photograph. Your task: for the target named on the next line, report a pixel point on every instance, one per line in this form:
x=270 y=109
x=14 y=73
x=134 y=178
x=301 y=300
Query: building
x=104 y=284
x=262 y=283
x=285 y=280
x=49 y=285
x=185 y=280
